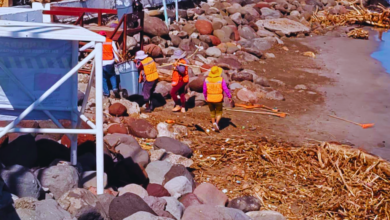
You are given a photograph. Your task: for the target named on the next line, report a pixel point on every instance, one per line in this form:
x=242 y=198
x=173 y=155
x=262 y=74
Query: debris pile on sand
x=316 y=182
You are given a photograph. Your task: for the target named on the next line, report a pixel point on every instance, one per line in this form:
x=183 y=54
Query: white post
x=177 y=10
x=99 y=117
x=165 y=13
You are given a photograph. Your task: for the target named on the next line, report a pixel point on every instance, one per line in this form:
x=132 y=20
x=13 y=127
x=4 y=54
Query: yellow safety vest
x=214 y=89
x=150 y=69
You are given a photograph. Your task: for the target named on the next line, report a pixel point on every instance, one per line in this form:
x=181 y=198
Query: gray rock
x=49 y=209
x=237 y=18
x=88 y=179
x=156 y=171
x=176 y=40
x=261 y=80
x=269 y=55
x=163 y=131
x=189 y=28
x=26 y=214
x=275 y=95
x=178 y=170
x=300 y=87
x=105 y=200
x=242 y=76
x=126 y=205
x=209 y=194
x=265 y=33
x=222 y=36
x=131 y=42
x=20 y=181
x=246 y=95
x=265 y=215
x=158 y=205
x=196 y=83
x=173 y=146
x=178 y=186
x=82 y=204
x=128 y=148
x=133 y=188
x=164 y=88
x=267 y=13
x=213 y=52
x=246 y=57
x=217 y=25
x=145 y=216
x=174 y=207
x=21 y=151
x=247 y=32
x=245 y=204
x=213 y=212
x=59 y=179
x=235 y=85
x=285 y=26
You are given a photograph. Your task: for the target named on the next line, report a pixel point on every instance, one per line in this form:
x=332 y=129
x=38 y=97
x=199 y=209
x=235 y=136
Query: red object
x=82 y=138
x=204 y=27
x=179 y=88
x=205 y=66
x=102 y=33
x=236 y=33
x=108 y=53
x=215 y=40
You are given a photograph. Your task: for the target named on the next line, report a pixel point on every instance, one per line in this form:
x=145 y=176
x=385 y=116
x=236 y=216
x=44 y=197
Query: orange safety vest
x=176 y=76
x=108 y=53
x=214 y=89
x=150 y=69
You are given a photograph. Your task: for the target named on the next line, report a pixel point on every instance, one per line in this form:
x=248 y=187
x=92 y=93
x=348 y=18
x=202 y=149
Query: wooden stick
x=342 y=119
x=282 y=115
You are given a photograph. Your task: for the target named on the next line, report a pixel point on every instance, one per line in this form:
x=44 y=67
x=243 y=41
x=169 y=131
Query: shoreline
x=360 y=92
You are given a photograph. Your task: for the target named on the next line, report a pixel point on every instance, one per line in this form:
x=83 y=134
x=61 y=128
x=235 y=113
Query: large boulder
x=59 y=179
x=245 y=204
x=105 y=200
x=132 y=107
x=174 y=207
x=117 y=109
x=275 y=95
x=142 y=129
x=156 y=171
x=128 y=148
x=22 y=151
x=173 y=146
x=246 y=57
x=82 y=204
x=229 y=63
x=246 y=95
x=189 y=28
x=285 y=26
x=257 y=46
x=164 y=88
x=20 y=181
x=155 y=27
x=176 y=40
x=187 y=45
x=127 y=205
x=213 y=52
x=157 y=190
x=196 y=84
x=117 y=128
x=204 y=27
x=221 y=35
x=189 y=199
x=213 y=212
x=237 y=18
x=49 y=209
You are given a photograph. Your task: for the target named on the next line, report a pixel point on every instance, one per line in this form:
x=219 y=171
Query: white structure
x=38 y=80
x=21 y=14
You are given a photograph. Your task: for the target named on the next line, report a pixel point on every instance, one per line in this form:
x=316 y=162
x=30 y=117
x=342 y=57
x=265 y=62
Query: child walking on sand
x=213 y=88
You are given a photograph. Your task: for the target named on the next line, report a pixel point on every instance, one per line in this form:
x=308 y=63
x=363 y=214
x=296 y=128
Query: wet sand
x=360 y=92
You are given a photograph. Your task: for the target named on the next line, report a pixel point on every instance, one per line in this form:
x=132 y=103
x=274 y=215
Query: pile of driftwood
x=322 y=181
x=357 y=15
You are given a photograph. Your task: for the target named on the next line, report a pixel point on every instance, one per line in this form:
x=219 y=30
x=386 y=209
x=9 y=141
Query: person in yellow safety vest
x=109 y=53
x=213 y=88
x=149 y=75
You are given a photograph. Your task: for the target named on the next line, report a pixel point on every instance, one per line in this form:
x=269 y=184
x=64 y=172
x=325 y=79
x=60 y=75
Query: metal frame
x=96 y=129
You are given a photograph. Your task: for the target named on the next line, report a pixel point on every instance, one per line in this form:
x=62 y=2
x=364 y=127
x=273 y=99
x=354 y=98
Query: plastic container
x=129 y=77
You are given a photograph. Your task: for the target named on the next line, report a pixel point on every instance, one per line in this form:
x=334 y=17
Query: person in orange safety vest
x=109 y=56
x=148 y=74
x=180 y=79
x=213 y=88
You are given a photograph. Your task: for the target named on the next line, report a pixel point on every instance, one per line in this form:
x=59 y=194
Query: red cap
x=102 y=33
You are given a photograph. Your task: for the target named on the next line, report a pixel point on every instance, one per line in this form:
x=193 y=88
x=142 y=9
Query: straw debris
x=325 y=181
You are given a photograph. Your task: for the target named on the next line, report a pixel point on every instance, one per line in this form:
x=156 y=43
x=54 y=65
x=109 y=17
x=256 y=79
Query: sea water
x=383 y=52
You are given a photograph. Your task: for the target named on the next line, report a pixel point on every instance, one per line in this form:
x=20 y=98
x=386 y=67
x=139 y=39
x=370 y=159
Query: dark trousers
x=179 y=89
x=109 y=75
x=148 y=89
